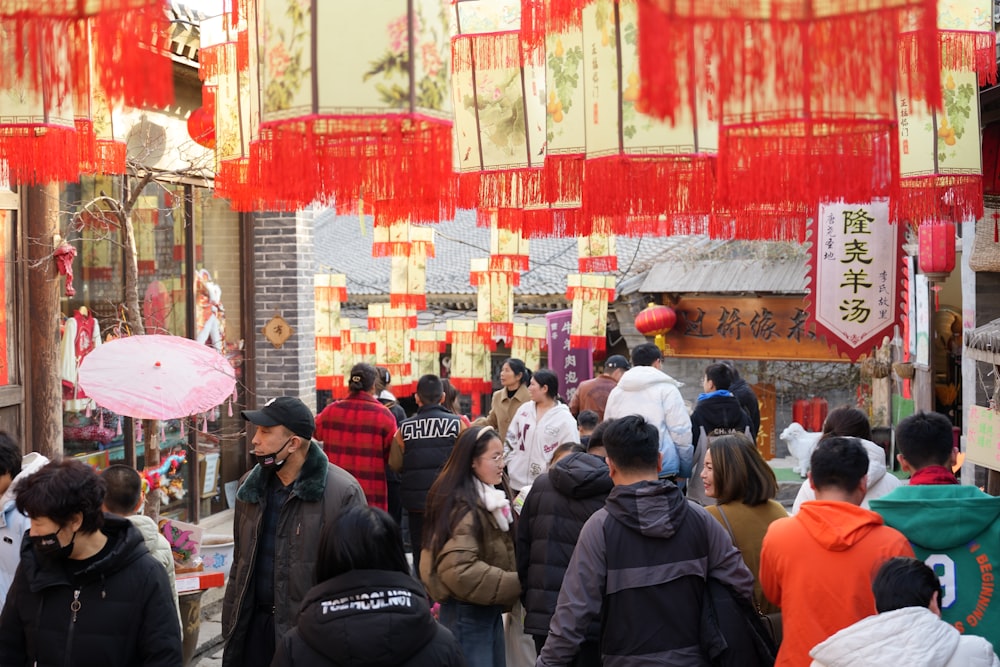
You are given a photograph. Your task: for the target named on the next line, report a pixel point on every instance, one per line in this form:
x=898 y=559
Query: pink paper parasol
x=156 y=377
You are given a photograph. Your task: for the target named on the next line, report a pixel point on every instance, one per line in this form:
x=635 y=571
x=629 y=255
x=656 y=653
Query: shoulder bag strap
x=729 y=526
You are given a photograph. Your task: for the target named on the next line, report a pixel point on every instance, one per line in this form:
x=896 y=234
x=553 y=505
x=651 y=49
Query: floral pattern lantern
x=528 y=343
x=330 y=291
x=391 y=327
x=590 y=295
x=470 y=358
x=426 y=348
x=355 y=104
x=495 y=310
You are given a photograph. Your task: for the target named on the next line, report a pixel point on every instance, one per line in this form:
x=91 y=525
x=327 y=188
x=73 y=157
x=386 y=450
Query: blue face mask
x=270 y=461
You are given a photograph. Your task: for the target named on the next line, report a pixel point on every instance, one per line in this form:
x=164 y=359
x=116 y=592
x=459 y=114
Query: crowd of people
x=620 y=529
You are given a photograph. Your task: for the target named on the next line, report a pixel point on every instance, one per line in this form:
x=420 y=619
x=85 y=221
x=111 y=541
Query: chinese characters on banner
x=982 y=437
x=855 y=268
x=571 y=365
x=739 y=327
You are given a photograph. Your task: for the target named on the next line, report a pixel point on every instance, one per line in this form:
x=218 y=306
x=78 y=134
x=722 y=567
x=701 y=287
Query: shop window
x=188 y=283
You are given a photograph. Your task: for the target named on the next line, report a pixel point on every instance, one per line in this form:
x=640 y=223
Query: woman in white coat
x=538 y=427
x=908 y=629
x=851 y=422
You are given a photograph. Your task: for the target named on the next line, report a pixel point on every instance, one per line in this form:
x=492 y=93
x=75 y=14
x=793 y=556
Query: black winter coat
x=559 y=503
x=126 y=615
x=368 y=618
x=748 y=401
x=719 y=412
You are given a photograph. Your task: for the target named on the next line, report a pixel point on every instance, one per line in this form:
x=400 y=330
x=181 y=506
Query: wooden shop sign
x=720 y=327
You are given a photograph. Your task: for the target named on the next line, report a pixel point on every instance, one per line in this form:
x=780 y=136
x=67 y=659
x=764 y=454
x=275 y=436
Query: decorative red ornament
x=937 y=250
x=655 y=320
x=201 y=127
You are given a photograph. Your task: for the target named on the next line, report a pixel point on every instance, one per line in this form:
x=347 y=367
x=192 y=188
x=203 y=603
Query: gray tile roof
x=343 y=245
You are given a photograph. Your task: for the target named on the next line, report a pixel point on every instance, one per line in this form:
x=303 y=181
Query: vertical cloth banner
x=856 y=273
x=571 y=365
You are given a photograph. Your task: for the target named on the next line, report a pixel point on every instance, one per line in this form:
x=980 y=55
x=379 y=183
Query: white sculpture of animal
x=801 y=444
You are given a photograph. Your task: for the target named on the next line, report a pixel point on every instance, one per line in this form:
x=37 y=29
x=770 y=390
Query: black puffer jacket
x=367 y=618
x=126 y=614
x=559 y=503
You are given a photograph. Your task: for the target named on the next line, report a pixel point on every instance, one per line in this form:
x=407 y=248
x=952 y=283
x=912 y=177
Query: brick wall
x=283 y=278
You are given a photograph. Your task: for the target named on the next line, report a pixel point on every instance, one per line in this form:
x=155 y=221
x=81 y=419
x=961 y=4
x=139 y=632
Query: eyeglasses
x=495 y=459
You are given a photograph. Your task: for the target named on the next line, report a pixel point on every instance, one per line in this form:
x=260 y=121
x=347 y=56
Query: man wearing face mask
x=282 y=507
x=87 y=592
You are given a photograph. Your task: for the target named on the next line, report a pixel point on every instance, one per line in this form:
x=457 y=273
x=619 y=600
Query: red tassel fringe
x=218 y=59
x=482 y=51
x=922 y=200
x=597 y=264
x=36 y=154
x=87 y=145
x=597 y=343
x=791 y=165
x=970 y=50
x=132 y=56
x=417 y=301
x=110 y=156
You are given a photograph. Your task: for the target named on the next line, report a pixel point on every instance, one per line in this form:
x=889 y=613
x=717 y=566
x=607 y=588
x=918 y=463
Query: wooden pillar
x=44 y=284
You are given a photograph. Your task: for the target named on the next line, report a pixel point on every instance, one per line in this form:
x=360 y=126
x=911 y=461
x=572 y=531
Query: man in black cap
x=593 y=394
x=282 y=507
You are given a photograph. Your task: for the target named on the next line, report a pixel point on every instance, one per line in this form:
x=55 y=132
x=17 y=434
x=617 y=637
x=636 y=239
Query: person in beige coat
x=468 y=561
x=513 y=393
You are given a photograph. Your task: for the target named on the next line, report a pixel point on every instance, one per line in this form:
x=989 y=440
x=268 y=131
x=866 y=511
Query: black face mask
x=49 y=547
x=270 y=461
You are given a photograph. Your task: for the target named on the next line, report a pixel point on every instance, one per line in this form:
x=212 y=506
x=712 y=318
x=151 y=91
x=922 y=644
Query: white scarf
x=496 y=502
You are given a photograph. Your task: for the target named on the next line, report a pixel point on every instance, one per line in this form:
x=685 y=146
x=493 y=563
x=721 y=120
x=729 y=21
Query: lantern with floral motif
x=528 y=343
x=495 y=305
x=330 y=291
x=470 y=358
x=426 y=348
x=355 y=104
x=391 y=327
x=590 y=295
x=408 y=276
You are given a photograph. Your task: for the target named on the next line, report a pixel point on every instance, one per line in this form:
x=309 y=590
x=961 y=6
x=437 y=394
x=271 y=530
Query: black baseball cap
x=286 y=411
x=617 y=361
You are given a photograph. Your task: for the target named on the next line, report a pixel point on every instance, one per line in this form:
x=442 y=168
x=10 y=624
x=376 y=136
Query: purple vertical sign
x=571 y=366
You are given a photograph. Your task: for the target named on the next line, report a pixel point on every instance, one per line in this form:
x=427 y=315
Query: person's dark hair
x=597 y=435
x=847 y=421
x=429 y=389
x=904 y=582
x=732 y=367
x=645 y=354
x=925 y=439
x=633 y=444
x=382 y=378
x=61 y=489
x=548 y=381
x=739 y=472
x=123 y=489
x=566 y=449
x=450 y=396
x=362 y=378
x=10 y=456
x=588 y=419
x=361 y=538
x=517 y=367
x=838 y=462
x=454 y=493
x=721 y=375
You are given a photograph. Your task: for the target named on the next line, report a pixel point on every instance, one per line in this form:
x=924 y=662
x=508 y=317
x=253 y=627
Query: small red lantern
x=201 y=126
x=655 y=320
x=937 y=250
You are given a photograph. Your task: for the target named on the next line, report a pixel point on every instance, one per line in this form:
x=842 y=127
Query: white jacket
x=160 y=550
x=912 y=636
x=654 y=396
x=530 y=443
x=13 y=524
x=879 y=483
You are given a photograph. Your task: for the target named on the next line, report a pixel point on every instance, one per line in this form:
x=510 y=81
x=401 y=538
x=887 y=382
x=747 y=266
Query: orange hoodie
x=818 y=567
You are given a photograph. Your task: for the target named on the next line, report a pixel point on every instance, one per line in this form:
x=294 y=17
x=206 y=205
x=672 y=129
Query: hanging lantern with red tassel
x=937 y=250
x=201 y=121
x=656 y=320
x=330 y=291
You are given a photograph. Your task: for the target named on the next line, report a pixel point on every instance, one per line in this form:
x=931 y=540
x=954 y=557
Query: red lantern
x=201 y=127
x=655 y=320
x=937 y=250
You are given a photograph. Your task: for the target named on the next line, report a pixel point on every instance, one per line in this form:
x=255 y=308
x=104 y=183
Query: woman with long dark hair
x=468 y=558
x=513 y=393
x=366 y=608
